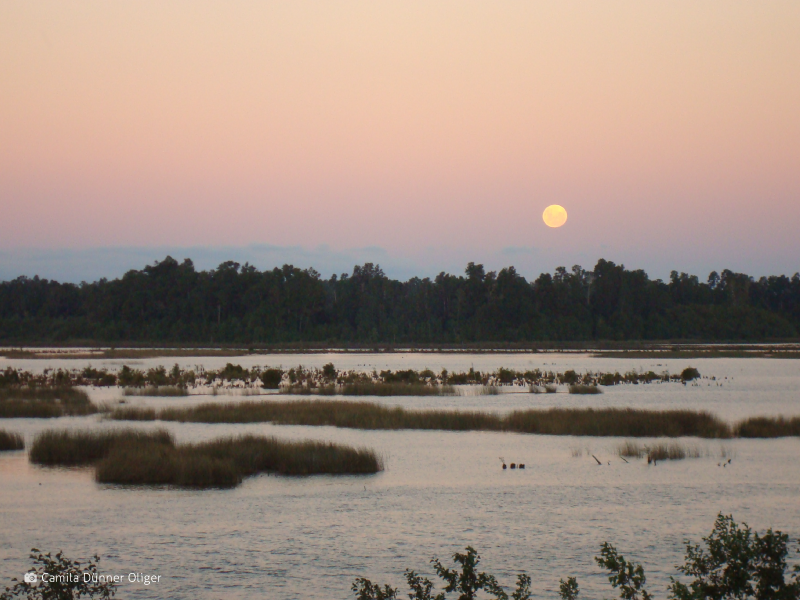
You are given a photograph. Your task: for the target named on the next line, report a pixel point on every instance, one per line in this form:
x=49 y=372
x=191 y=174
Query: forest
x=172 y=302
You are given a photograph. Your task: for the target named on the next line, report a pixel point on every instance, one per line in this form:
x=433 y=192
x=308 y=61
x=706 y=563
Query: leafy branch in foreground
x=467 y=581
x=59 y=578
x=735 y=564
x=738 y=563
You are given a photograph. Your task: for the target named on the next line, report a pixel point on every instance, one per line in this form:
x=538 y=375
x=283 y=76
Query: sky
x=420 y=135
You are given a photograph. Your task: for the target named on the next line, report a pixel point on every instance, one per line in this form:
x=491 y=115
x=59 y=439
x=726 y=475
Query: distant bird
x=521 y=465
x=729 y=460
x=503 y=460
x=513 y=465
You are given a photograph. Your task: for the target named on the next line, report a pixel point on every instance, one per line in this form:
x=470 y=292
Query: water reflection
x=287 y=537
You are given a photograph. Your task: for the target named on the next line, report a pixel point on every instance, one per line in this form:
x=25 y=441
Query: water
x=288 y=537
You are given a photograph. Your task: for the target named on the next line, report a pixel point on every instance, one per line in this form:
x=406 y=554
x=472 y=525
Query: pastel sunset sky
x=417 y=134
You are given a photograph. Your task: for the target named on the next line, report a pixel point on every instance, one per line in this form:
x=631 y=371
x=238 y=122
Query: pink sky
x=670 y=131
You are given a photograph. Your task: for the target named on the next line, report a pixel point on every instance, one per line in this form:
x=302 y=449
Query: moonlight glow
x=554 y=215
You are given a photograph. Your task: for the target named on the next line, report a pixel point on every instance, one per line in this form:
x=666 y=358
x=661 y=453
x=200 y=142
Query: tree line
x=172 y=302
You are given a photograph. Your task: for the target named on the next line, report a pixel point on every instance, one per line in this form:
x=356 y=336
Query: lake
x=309 y=537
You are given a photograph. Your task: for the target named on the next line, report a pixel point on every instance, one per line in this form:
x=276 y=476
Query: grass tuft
x=660 y=451
x=11 y=441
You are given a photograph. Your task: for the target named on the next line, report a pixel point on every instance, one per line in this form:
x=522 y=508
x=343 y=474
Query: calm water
x=284 y=537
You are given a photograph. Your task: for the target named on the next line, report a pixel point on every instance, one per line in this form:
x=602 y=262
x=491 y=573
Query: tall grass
x=768 y=427
x=580 y=388
x=659 y=451
x=374 y=389
x=253 y=454
x=156 y=390
x=395 y=389
x=366 y=415
x=489 y=390
x=672 y=451
x=151 y=458
x=11 y=441
x=86 y=447
x=620 y=422
x=158 y=464
x=631 y=449
x=36 y=402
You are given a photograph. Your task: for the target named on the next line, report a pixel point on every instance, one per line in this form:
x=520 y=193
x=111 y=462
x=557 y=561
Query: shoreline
x=635 y=350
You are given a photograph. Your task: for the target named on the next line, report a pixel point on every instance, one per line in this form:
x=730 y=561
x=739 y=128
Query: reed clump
x=160 y=464
x=366 y=415
x=132 y=457
x=45 y=403
x=619 y=422
x=489 y=390
x=129 y=413
x=354 y=415
x=580 y=388
x=254 y=454
x=631 y=449
x=156 y=390
x=768 y=427
x=659 y=451
x=394 y=389
x=11 y=441
x=73 y=448
x=372 y=388
x=671 y=451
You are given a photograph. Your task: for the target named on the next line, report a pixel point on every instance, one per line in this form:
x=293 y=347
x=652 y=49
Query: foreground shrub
x=467 y=581
x=45 y=403
x=65 y=580
x=11 y=441
x=735 y=563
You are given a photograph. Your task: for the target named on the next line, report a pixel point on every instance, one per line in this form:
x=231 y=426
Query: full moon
x=554 y=215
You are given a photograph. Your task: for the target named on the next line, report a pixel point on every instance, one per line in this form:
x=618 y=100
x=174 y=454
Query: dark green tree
x=64 y=580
